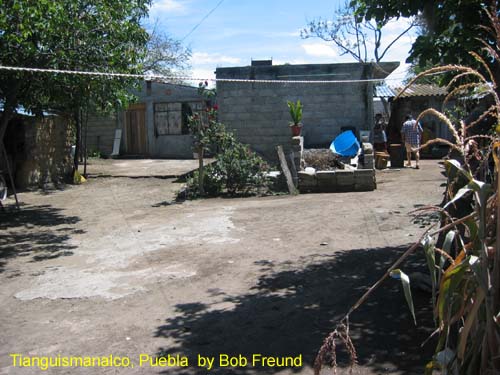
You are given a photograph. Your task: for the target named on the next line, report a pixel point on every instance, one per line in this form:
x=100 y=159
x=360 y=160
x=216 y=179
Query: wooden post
x=286 y=170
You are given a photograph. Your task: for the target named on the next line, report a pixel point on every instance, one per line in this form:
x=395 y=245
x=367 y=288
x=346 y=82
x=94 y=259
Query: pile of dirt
x=322 y=159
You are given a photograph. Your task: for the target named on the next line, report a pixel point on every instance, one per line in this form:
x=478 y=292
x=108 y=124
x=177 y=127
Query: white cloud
x=201 y=75
x=397 y=77
x=395 y=27
x=319 y=50
x=204 y=58
x=168 y=6
x=293 y=61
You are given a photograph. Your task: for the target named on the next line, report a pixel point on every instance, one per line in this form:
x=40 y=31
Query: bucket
x=345 y=144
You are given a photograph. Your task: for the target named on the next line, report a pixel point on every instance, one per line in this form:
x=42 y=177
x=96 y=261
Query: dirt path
x=111 y=267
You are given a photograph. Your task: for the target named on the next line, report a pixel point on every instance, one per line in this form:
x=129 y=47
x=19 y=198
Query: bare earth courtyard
x=112 y=267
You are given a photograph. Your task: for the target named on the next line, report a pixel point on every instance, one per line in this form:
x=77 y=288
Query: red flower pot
x=296 y=130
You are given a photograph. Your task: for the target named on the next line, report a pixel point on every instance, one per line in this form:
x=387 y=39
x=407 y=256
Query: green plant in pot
x=296 y=114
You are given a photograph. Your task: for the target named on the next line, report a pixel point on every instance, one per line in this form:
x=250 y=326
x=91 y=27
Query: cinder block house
x=257 y=112
x=155 y=126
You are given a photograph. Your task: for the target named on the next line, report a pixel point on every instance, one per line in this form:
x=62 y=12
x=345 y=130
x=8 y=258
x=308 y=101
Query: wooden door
x=135 y=128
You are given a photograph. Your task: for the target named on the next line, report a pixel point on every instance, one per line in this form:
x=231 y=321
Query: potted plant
x=296 y=114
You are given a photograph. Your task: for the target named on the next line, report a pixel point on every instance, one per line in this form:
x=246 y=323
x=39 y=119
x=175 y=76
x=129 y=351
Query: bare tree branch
x=351 y=36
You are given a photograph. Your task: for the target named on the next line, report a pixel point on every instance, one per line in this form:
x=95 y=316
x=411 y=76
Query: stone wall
x=259 y=115
x=42 y=151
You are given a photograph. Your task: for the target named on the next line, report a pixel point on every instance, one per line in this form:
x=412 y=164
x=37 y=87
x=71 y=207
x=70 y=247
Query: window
x=168 y=119
x=172 y=118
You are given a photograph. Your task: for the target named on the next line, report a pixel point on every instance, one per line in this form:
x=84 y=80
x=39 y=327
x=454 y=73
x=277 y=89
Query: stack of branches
x=322 y=160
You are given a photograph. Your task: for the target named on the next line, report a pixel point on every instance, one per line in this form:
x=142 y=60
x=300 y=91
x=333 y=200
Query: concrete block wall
x=167 y=146
x=101 y=128
x=259 y=115
x=101 y=133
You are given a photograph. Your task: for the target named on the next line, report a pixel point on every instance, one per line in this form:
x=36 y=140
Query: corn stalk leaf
x=429 y=250
x=453 y=167
x=479 y=273
x=448 y=241
x=430 y=367
x=473 y=230
x=405 y=281
x=483 y=191
x=471 y=318
x=454 y=170
x=451 y=279
x=460 y=193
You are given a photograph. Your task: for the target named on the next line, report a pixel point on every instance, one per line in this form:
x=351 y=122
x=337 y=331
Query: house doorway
x=135 y=130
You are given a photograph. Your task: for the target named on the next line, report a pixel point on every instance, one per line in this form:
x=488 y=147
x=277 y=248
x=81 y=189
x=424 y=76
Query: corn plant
x=464 y=269
x=295 y=112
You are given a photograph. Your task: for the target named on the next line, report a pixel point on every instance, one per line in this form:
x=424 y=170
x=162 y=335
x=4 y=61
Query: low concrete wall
x=337 y=181
x=342 y=180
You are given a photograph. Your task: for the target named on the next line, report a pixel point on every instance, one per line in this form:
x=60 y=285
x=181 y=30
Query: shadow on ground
x=40 y=232
x=295 y=305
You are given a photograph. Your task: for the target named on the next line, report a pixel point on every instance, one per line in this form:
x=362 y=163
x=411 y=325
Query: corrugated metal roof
x=414 y=90
x=384 y=91
x=421 y=90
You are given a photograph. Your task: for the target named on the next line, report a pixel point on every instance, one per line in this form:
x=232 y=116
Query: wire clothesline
x=149 y=77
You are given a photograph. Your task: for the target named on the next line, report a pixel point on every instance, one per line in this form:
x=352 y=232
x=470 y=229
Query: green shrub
x=211 y=183
x=236 y=170
x=92 y=153
x=239 y=169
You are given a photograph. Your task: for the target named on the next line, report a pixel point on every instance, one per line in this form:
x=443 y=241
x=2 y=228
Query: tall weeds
x=465 y=268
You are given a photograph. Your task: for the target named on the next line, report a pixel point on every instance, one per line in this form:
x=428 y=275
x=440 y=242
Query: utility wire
x=149 y=77
x=202 y=20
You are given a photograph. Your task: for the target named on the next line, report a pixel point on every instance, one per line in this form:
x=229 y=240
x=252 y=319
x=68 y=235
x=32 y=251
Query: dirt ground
x=113 y=267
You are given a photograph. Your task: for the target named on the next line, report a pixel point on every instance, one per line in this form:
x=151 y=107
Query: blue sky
x=241 y=30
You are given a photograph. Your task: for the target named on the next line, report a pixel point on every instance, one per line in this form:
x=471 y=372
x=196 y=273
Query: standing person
x=411 y=132
x=379 y=136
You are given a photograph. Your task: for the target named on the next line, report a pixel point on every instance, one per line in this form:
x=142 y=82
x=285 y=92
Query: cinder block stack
x=368 y=156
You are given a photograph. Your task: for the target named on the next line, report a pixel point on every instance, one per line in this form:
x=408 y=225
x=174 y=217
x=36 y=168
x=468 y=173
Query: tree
x=353 y=35
x=166 y=56
x=451 y=27
x=97 y=35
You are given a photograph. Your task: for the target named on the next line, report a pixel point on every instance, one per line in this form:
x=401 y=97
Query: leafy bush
x=239 y=169
x=92 y=153
x=236 y=169
x=212 y=185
